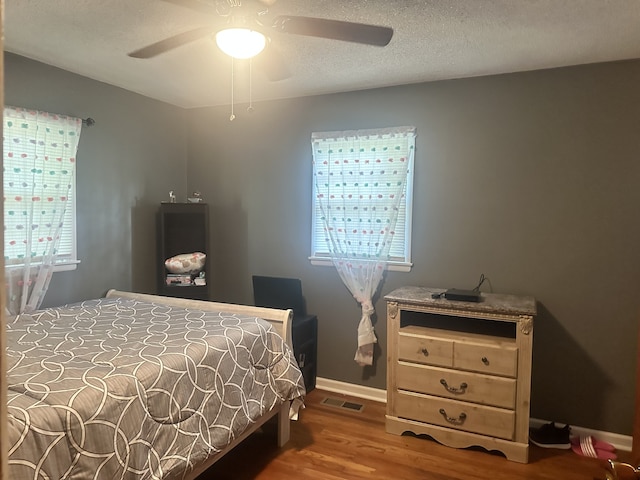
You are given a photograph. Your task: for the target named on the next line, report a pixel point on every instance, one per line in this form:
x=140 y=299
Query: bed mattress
x=123 y=389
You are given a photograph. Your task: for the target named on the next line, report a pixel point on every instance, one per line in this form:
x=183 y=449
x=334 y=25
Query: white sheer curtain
x=39 y=167
x=359 y=179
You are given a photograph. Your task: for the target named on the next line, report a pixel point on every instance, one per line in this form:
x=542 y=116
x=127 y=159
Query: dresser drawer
x=484 y=420
x=486 y=358
x=426 y=349
x=465 y=386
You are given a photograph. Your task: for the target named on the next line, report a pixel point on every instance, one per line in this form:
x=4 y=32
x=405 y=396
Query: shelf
x=182 y=228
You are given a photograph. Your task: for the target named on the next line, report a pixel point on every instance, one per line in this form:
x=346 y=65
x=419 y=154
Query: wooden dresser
x=460 y=372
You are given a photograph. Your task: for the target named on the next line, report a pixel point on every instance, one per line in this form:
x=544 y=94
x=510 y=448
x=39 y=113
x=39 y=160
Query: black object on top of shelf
x=462 y=295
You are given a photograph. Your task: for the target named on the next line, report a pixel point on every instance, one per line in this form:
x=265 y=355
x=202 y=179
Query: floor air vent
x=335 y=402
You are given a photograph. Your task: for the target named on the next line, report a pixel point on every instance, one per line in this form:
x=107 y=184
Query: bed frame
x=280 y=319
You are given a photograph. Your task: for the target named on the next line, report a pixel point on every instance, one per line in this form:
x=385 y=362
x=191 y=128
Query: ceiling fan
x=252 y=16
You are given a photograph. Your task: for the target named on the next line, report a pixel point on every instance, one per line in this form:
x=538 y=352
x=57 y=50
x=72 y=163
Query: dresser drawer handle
x=485 y=360
x=424 y=351
x=460 y=390
x=454 y=421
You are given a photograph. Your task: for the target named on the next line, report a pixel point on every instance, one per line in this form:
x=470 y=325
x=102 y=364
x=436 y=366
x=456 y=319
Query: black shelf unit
x=182 y=228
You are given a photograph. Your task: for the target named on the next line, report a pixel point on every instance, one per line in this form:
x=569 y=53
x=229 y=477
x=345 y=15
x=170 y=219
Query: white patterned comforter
x=122 y=389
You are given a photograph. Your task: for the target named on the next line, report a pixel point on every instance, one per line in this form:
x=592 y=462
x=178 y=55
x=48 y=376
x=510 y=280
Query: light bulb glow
x=240 y=42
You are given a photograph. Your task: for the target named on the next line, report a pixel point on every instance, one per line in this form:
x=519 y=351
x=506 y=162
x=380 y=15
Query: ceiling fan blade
x=172 y=42
x=271 y=63
x=334 y=29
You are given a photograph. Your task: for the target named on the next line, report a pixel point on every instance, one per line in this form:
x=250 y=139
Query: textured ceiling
x=433 y=40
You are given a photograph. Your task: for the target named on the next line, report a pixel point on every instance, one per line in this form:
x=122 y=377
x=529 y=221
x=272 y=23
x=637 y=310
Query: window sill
x=66 y=266
x=391 y=266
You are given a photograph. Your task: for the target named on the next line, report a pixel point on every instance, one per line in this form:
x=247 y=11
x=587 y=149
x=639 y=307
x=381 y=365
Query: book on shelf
x=178 y=279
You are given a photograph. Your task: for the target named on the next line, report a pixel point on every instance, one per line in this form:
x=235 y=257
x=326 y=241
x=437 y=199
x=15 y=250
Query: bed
x=133 y=386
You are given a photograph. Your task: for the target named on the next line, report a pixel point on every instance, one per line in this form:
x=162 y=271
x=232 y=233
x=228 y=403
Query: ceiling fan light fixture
x=240 y=43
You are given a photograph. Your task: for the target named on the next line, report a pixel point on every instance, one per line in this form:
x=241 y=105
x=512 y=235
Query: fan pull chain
x=232 y=116
x=250 y=108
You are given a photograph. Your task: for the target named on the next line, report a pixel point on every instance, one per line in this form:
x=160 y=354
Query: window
x=39 y=151
x=358 y=178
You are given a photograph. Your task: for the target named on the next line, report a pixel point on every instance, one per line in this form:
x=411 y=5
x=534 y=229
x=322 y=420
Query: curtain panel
x=39 y=168
x=359 y=182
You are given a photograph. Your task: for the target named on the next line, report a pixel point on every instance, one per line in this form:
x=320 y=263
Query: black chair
x=279 y=292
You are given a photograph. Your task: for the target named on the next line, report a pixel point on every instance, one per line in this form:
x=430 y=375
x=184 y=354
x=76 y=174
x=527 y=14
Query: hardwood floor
x=330 y=443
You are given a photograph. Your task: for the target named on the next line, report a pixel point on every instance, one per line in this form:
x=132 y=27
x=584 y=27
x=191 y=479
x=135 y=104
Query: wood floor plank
x=330 y=443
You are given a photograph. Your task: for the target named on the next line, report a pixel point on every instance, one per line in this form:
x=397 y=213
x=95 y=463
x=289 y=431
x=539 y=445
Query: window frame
x=324 y=259
x=69 y=260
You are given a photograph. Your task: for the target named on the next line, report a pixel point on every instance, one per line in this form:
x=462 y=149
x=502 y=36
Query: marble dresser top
x=489 y=302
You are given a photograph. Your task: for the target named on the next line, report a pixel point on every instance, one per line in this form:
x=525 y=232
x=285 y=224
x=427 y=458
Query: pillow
x=186 y=263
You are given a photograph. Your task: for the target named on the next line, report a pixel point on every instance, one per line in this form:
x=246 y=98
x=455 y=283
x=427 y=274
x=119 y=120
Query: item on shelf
x=178 y=279
x=200 y=280
x=195 y=198
x=190 y=263
x=172 y=197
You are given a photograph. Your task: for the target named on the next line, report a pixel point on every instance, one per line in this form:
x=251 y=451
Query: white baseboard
x=359 y=391
x=621 y=442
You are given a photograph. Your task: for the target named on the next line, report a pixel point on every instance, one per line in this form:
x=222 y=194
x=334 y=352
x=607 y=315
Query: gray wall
x=530 y=178
x=127 y=163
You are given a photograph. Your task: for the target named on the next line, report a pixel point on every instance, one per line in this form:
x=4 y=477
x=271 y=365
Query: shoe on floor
x=587 y=446
x=550 y=436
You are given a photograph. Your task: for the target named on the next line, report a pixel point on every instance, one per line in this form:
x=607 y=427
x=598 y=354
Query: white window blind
x=355 y=175
x=39 y=151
